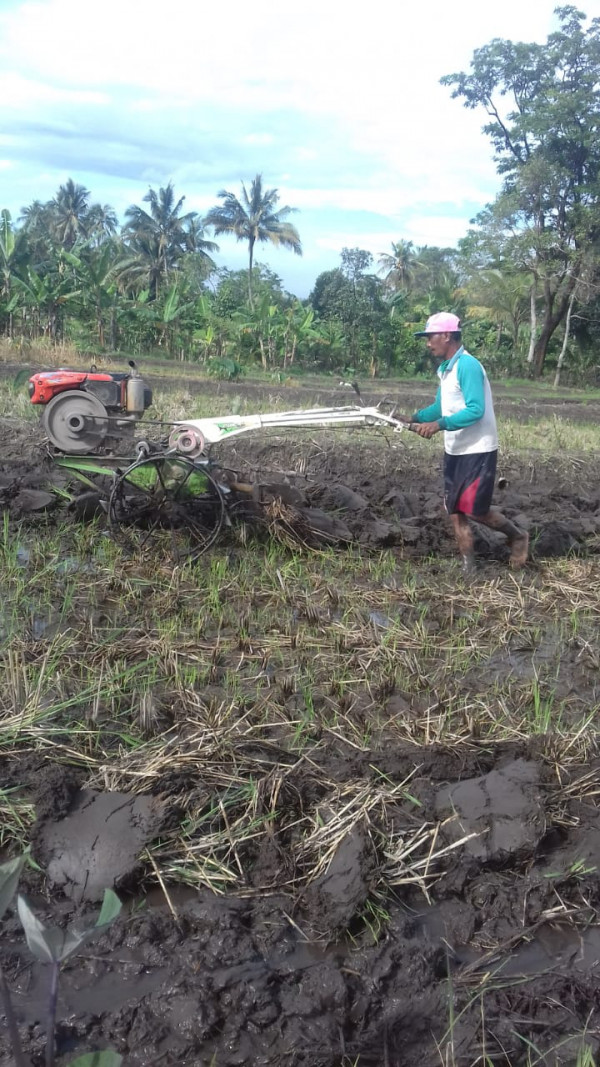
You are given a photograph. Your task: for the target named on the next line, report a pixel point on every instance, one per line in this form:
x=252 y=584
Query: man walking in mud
x=464 y=410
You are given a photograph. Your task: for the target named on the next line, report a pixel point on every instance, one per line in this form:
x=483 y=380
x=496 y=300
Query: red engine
x=82 y=408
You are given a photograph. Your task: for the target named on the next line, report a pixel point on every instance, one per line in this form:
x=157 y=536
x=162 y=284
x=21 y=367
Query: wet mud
x=497 y=947
x=456 y=923
x=96 y=845
x=363 y=488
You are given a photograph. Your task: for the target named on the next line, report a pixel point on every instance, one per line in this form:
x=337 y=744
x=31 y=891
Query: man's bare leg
x=518 y=539
x=464 y=539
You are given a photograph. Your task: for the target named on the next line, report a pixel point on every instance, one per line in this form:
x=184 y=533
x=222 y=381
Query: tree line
x=525 y=279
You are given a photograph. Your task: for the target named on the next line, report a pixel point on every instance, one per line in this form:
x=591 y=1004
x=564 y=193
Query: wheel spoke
x=158 y=469
x=158 y=515
x=181 y=484
x=140 y=488
x=150 y=531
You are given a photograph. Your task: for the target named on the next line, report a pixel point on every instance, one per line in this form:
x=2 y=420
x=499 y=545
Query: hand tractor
x=172 y=493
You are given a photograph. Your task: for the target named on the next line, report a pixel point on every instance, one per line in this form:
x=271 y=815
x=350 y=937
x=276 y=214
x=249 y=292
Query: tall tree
x=158 y=239
x=547 y=149
x=398 y=266
x=35 y=221
x=253 y=218
x=354 y=298
x=501 y=297
x=14 y=255
x=69 y=213
x=102 y=222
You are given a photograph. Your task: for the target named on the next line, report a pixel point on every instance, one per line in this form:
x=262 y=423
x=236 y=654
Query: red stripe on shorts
x=466 y=500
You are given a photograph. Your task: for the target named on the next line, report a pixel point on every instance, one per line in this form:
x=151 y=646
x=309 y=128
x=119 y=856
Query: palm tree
x=142 y=265
x=254 y=218
x=195 y=240
x=503 y=297
x=35 y=221
x=398 y=265
x=34 y=215
x=159 y=238
x=102 y=222
x=69 y=213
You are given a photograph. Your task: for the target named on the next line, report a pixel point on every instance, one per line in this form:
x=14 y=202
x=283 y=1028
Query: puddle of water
x=45 y=626
x=383 y=622
x=556 y=948
x=72 y=565
x=83 y=989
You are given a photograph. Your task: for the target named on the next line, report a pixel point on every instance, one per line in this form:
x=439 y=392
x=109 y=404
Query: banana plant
x=171 y=316
x=13 y=262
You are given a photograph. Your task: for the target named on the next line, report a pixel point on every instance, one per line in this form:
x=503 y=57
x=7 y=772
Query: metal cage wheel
x=167 y=503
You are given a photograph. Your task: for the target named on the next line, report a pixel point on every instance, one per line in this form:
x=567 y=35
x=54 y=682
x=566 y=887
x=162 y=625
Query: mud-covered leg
x=464 y=539
x=518 y=539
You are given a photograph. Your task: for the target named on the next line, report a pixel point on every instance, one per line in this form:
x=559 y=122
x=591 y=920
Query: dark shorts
x=469 y=482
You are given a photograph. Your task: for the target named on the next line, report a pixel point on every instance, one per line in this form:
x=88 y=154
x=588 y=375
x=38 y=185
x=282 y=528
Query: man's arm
x=471 y=381
x=432 y=413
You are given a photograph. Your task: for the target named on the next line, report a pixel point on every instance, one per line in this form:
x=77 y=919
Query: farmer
x=464 y=410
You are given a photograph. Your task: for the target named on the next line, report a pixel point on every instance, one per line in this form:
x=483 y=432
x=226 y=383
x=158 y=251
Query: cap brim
x=422 y=333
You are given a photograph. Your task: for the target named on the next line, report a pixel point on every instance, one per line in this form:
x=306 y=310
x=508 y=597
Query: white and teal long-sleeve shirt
x=463 y=406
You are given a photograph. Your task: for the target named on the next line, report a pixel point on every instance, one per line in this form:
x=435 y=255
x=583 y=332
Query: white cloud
x=338 y=106
x=258 y=139
x=435 y=230
x=334 y=59
x=20 y=93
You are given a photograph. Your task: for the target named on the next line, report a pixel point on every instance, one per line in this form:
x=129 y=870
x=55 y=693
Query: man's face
x=438 y=345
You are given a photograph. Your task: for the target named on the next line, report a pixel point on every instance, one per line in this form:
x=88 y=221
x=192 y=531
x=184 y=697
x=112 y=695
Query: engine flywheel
x=75 y=422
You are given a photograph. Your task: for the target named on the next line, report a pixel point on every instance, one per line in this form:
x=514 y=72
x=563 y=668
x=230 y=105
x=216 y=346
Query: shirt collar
x=456 y=355
x=448 y=364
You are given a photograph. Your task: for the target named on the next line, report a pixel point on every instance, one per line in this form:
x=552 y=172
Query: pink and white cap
x=443 y=322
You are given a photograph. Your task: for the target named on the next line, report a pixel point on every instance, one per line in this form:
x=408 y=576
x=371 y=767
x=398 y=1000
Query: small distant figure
x=464 y=410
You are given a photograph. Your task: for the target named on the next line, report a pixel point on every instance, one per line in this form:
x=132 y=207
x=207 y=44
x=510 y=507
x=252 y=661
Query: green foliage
x=53 y=945
x=543 y=110
x=224 y=369
x=98 y=1059
x=10 y=873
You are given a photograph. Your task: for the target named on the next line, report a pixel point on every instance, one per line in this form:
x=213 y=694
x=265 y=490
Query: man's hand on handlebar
x=426 y=429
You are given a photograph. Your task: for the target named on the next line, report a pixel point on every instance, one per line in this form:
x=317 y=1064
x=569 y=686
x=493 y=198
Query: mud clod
x=502 y=809
x=34 y=500
x=333 y=900
x=307 y=749
x=97 y=844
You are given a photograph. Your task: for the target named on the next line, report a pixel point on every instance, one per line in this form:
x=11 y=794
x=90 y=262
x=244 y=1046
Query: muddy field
x=470 y=948
x=352 y=806
x=381 y=491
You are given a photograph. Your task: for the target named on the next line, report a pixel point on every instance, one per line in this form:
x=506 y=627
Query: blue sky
x=338 y=106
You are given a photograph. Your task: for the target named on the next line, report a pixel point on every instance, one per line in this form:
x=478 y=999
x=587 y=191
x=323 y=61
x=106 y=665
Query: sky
x=337 y=105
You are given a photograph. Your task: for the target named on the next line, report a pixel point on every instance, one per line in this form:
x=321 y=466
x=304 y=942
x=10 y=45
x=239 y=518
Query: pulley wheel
x=167 y=504
x=75 y=422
